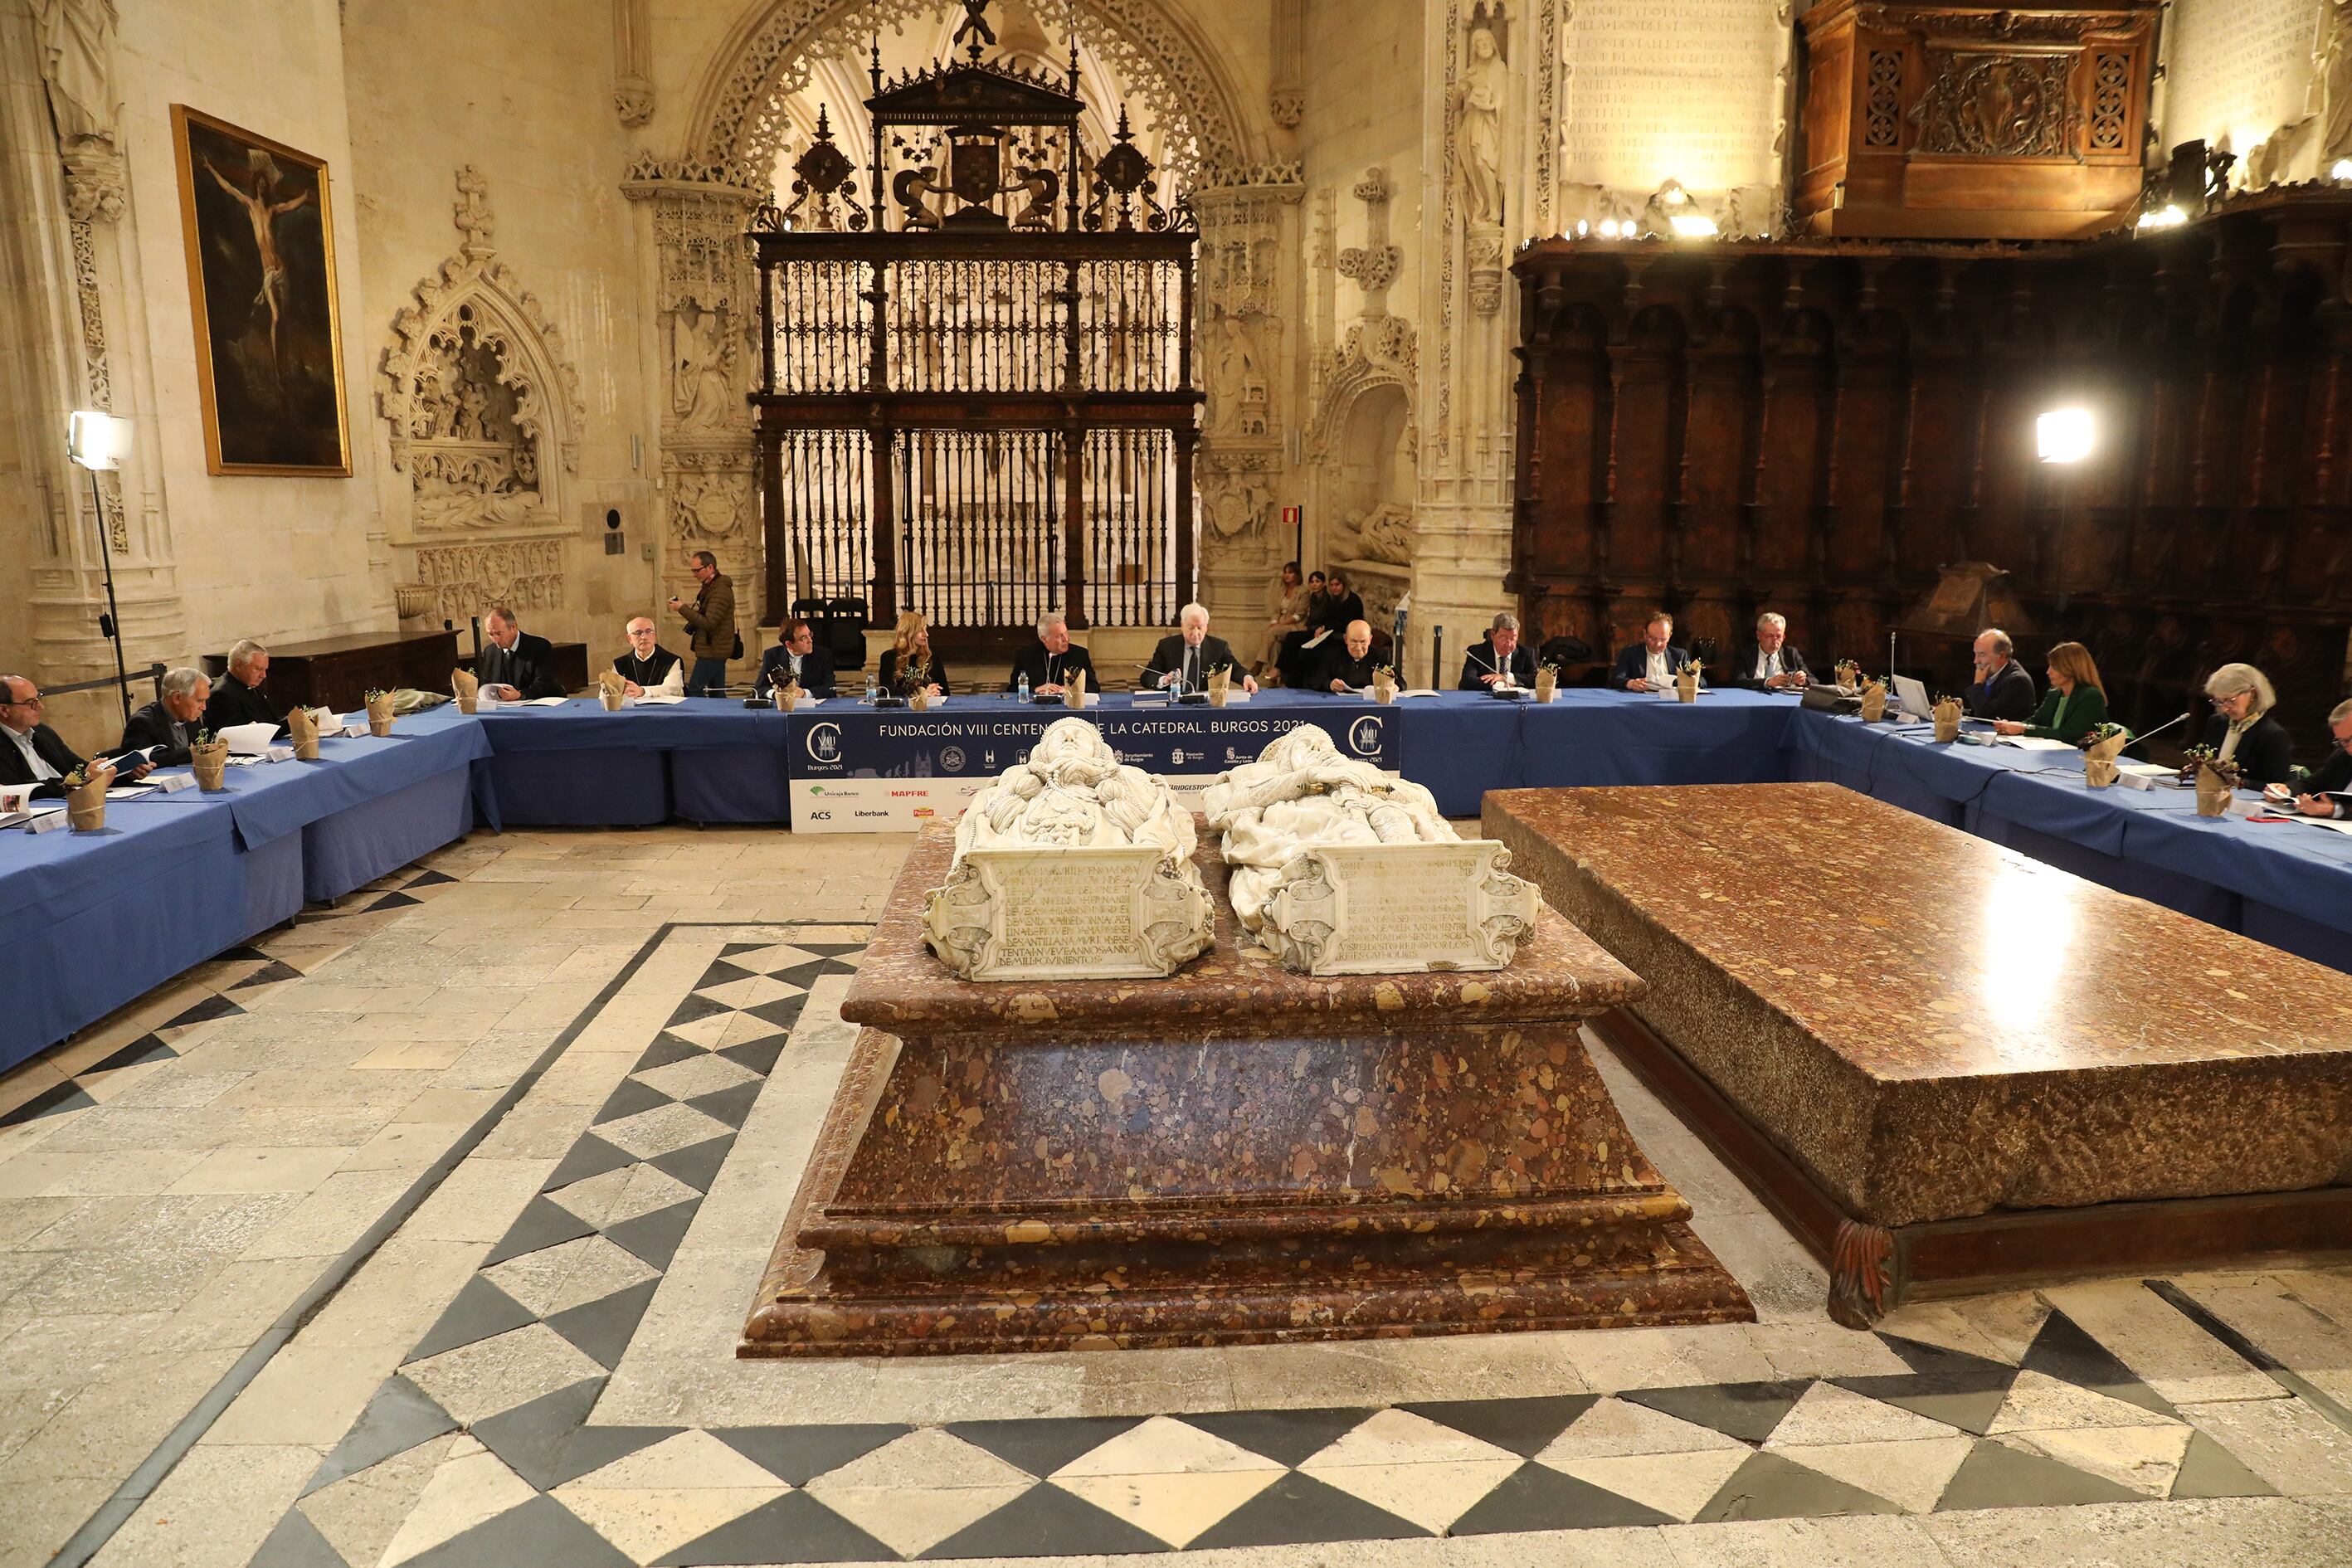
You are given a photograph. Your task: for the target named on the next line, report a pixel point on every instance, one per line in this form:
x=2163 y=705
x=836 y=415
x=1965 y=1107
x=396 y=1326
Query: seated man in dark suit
x=1499 y=661
x=515 y=666
x=1652 y=664
x=30 y=751
x=1769 y=664
x=1348 y=664
x=1184 y=662
x=238 y=697
x=1053 y=661
x=165 y=731
x=2002 y=690
x=2314 y=792
x=648 y=666
x=796 y=656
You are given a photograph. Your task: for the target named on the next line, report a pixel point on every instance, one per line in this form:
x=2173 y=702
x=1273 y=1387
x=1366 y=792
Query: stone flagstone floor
x=534 y=1110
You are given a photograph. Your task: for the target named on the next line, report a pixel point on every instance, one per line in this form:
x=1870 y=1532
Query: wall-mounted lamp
x=1693 y=225
x=2341 y=172
x=2064 y=435
x=2166 y=217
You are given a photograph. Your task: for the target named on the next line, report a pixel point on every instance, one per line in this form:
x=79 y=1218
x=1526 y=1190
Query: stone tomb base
x=1949 y=1068
x=1234 y=1155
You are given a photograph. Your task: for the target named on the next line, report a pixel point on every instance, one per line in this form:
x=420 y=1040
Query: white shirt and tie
x=1768 y=665
x=1658 y=674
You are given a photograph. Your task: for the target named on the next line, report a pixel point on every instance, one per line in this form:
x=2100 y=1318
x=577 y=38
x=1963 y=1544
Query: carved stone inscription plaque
x=1067 y=914
x=1665 y=89
x=2236 y=70
x=1397 y=909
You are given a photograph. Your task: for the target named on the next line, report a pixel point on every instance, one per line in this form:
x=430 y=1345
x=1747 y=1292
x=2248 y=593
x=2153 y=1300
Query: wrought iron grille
x=976 y=397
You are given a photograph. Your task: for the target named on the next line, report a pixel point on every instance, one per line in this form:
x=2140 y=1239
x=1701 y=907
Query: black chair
x=1564 y=651
x=845 y=631
x=1703 y=652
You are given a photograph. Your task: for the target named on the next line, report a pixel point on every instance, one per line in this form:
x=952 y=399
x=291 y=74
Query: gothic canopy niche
x=484 y=407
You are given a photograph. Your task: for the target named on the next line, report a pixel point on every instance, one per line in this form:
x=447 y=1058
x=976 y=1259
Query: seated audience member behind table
x=2335 y=776
x=1287 y=606
x=797 y=656
x=238 y=695
x=2001 y=689
x=2075 y=704
x=1769 y=663
x=1185 y=661
x=908 y=664
x=1652 y=664
x=1348 y=662
x=2242 y=729
x=1499 y=661
x=514 y=666
x=711 y=621
x=1052 y=660
x=30 y=751
x=164 y=730
x=647 y=665
x=1328 y=615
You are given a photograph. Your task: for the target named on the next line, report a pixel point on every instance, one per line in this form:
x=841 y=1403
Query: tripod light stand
x=97 y=440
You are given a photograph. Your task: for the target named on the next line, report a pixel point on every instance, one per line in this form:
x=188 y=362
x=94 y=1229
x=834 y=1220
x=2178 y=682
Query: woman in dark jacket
x=2074 y=706
x=2242 y=729
x=909 y=664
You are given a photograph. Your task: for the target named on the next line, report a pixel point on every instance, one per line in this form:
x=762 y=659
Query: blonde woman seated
x=2074 y=706
x=909 y=665
x=2242 y=729
x=1285 y=602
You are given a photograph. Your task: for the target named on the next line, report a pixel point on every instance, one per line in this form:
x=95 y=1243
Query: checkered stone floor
x=481 y=1449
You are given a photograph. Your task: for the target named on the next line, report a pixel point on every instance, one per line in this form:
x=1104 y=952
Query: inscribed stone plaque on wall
x=1661 y=90
x=2236 y=70
x=1401 y=909
x=1065 y=914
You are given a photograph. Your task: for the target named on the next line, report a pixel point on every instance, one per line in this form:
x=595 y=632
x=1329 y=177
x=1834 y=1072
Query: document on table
x=128 y=792
x=2034 y=743
x=542 y=702
x=2330 y=823
x=658 y=699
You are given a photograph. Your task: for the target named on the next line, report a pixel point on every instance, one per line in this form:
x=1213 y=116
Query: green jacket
x=2070 y=718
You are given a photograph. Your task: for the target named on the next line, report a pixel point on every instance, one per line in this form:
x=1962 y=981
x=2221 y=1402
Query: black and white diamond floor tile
x=497 y=1395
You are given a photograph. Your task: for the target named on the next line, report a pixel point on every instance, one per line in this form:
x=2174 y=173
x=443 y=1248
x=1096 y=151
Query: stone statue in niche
x=1385 y=534
x=77 y=53
x=1335 y=868
x=1071 y=866
x=472 y=466
x=1477 y=109
x=2334 y=53
x=702 y=368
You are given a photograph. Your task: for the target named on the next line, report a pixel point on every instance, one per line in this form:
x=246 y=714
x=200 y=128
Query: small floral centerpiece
x=1849 y=675
x=1384 y=684
x=379 y=712
x=2101 y=747
x=1546 y=680
x=1946 y=714
x=2216 y=779
x=85 y=790
x=208 y=758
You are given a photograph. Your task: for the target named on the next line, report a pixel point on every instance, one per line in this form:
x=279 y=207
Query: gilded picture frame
x=259 y=226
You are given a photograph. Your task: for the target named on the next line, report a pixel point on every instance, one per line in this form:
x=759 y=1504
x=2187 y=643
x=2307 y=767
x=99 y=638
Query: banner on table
x=858 y=770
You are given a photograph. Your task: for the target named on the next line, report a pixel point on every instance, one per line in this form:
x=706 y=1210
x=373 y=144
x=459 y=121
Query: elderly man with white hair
x=238 y=697
x=1184 y=662
x=162 y=730
x=1049 y=666
x=1771 y=663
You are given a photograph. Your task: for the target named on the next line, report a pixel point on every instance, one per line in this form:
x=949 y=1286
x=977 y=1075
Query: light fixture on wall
x=2166 y=217
x=1693 y=225
x=96 y=439
x=2341 y=172
x=2064 y=435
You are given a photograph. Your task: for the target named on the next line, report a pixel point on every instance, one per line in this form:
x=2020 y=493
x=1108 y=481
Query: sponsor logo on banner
x=825 y=742
x=951 y=759
x=925 y=811
x=1364 y=736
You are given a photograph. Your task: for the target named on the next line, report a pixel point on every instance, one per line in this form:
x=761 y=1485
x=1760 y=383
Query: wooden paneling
x=1819 y=426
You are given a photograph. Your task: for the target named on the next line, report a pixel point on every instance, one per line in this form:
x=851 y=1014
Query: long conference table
x=99 y=919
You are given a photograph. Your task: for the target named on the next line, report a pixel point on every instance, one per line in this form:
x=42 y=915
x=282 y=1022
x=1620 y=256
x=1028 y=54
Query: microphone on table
x=2160 y=729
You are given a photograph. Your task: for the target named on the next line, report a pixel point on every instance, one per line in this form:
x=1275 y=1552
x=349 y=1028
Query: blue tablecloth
x=279 y=798
x=707 y=759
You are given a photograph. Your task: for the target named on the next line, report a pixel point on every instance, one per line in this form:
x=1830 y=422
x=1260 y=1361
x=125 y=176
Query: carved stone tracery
x=1997 y=106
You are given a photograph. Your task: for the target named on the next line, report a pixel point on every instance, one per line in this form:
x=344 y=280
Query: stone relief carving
x=478 y=390
x=527 y=573
x=2335 y=77
x=1071 y=866
x=1302 y=828
x=633 y=54
x=704 y=392
x=1373 y=267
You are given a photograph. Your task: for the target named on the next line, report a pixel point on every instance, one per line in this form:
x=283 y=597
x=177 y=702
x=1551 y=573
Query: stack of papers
x=249 y=740
x=542 y=702
x=2034 y=743
x=664 y=699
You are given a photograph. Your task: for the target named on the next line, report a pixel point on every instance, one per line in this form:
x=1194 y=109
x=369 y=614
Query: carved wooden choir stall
x=976 y=395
